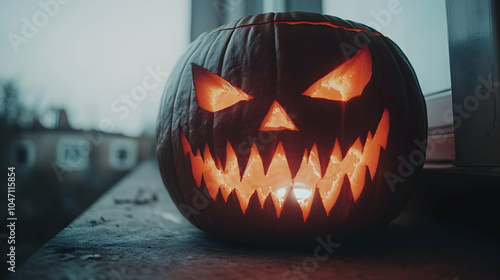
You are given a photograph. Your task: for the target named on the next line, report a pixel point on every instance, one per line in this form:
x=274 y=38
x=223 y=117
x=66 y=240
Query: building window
x=72 y=153
x=123 y=153
x=22 y=154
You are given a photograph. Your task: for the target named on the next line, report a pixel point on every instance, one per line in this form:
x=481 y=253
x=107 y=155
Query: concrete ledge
x=135 y=232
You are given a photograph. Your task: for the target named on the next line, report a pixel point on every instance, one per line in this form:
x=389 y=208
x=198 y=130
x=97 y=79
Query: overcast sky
x=85 y=55
x=90 y=56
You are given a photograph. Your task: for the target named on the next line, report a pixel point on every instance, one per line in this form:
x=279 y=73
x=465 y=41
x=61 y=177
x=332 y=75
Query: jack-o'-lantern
x=288 y=125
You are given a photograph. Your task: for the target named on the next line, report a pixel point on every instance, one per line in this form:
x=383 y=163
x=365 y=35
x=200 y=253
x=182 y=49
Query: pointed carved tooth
x=278 y=180
x=225 y=191
x=262 y=193
x=218 y=164
x=352 y=158
x=306 y=180
x=337 y=152
x=371 y=154
x=186 y=147
x=279 y=198
x=253 y=178
x=254 y=171
x=278 y=176
x=232 y=171
x=314 y=161
x=357 y=181
x=211 y=174
x=331 y=195
x=294 y=154
x=352 y=166
x=310 y=171
x=330 y=185
x=382 y=130
x=305 y=203
x=197 y=167
x=303 y=168
x=244 y=195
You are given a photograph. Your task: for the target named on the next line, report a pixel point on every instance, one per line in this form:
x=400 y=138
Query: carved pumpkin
x=285 y=125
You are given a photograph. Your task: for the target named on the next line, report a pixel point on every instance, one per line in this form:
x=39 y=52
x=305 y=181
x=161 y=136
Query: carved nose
x=277 y=119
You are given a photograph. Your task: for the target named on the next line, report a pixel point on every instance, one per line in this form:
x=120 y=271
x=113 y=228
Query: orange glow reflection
x=277 y=181
x=346 y=81
x=213 y=92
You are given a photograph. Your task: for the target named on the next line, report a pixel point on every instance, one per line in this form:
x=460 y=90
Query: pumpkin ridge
x=180 y=197
x=324 y=23
x=328 y=176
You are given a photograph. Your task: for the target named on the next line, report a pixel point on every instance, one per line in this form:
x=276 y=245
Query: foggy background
x=88 y=54
x=81 y=81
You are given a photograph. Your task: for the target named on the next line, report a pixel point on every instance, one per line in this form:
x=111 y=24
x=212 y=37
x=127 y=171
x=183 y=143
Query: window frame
x=473 y=47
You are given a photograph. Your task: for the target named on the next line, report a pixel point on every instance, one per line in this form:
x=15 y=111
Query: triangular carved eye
x=213 y=92
x=346 y=81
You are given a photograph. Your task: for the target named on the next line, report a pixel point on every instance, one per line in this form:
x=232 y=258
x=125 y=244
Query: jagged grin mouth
x=278 y=182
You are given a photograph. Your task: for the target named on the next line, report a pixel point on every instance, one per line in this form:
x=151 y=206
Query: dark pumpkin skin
x=272 y=60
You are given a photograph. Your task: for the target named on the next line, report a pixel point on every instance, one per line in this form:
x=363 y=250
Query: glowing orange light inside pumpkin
x=346 y=81
x=277 y=119
x=215 y=93
x=277 y=181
